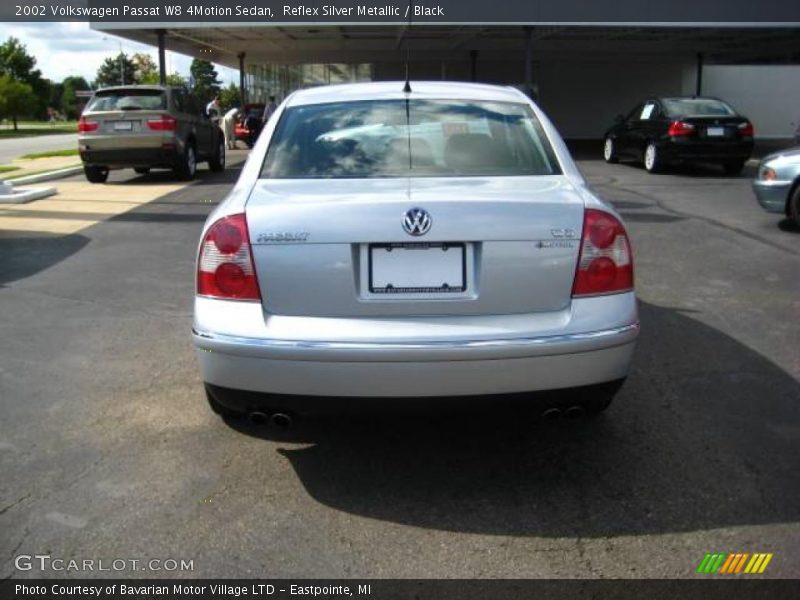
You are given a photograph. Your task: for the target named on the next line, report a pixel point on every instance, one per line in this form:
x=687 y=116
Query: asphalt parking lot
x=108 y=450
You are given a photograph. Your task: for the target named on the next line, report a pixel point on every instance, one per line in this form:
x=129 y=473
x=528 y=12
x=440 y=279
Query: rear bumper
x=771 y=195
x=698 y=150
x=389 y=358
x=244 y=402
x=159 y=156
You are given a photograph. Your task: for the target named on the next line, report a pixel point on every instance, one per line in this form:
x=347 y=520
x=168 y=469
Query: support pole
x=698 y=88
x=162 y=60
x=473 y=59
x=528 y=58
x=242 y=93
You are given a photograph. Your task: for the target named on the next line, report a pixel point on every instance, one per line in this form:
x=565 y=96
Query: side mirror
x=619 y=119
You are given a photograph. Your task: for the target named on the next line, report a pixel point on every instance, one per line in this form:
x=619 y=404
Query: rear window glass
x=697 y=107
x=128 y=100
x=255 y=111
x=408 y=138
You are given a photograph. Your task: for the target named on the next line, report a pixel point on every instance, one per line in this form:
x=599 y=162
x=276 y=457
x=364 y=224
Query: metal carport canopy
x=296 y=43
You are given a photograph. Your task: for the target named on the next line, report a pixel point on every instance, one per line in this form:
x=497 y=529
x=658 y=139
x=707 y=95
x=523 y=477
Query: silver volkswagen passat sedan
x=438 y=242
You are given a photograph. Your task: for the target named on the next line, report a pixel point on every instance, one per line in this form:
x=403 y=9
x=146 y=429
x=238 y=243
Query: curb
x=49 y=176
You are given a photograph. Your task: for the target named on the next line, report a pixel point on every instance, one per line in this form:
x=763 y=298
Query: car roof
x=393 y=90
x=702 y=98
x=158 y=88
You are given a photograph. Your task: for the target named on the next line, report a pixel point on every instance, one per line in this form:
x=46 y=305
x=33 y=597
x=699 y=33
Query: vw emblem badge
x=417 y=221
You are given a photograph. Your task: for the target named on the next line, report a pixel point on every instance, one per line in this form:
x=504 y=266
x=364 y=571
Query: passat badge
x=282 y=236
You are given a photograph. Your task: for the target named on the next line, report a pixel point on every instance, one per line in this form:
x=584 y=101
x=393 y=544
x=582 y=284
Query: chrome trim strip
x=536 y=342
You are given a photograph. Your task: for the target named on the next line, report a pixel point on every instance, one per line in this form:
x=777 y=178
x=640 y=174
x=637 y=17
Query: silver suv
x=144 y=127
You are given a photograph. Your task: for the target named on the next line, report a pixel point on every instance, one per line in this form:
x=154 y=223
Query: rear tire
x=733 y=167
x=610 y=151
x=793 y=206
x=96 y=174
x=652 y=162
x=186 y=169
x=142 y=170
x=217 y=162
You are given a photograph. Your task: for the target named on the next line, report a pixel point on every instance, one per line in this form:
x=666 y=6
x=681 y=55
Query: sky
x=64 y=49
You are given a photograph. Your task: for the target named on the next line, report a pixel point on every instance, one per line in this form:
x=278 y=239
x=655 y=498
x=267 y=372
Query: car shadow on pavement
x=705 y=434
x=165 y=176
x=694 y=170
x=25 y=254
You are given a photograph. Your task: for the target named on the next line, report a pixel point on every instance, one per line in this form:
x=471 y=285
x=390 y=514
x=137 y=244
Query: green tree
x=173 y=79
x=69 y=103
x=229 y=97
x=176 y=79
x=16 y=98
x=145 y=69
x=18 y=64
x=109 y=72
x=205 y=82
x=56 y=95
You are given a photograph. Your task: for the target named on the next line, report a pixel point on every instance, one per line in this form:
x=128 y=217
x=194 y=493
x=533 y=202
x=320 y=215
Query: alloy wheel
x=650 y=158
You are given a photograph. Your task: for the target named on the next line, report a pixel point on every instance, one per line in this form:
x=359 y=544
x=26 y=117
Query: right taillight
x=225 y=265
x=85 y=125
x=605 y=264
x=746 y=129
x=163 y=123
x=680 y=128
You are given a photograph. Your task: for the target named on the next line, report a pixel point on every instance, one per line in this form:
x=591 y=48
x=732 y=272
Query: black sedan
x=663 y=131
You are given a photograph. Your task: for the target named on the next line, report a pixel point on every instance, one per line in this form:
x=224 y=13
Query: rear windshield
x=697 y=107
x=128 y=100
x=255 y=111
x=402 y=138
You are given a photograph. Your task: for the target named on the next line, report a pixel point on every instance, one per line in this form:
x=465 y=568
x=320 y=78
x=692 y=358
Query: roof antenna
x=409 y=14
x=407 y=86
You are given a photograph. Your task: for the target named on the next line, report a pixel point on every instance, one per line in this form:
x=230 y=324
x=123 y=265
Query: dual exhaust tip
x=572 y=412
x=279 y=420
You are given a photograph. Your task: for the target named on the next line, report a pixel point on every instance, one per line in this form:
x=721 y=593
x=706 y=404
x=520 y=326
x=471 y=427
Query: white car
x=390 y=244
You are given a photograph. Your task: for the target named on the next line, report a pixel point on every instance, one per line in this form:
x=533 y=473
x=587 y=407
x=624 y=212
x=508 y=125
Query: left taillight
x=680 y=129
x=85 y=125
x=605 y=264
x=225 y=264
x=163 y=123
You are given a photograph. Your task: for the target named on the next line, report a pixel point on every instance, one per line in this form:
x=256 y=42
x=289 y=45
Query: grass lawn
x=8 y=168
x=51 y=153
x=34 y=128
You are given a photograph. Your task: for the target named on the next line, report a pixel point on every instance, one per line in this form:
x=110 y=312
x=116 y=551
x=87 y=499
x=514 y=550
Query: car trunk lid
x=121 y=116
x=319 y=247
x=716 y=129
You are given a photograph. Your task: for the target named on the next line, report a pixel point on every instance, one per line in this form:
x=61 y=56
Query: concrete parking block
x=21 y=196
